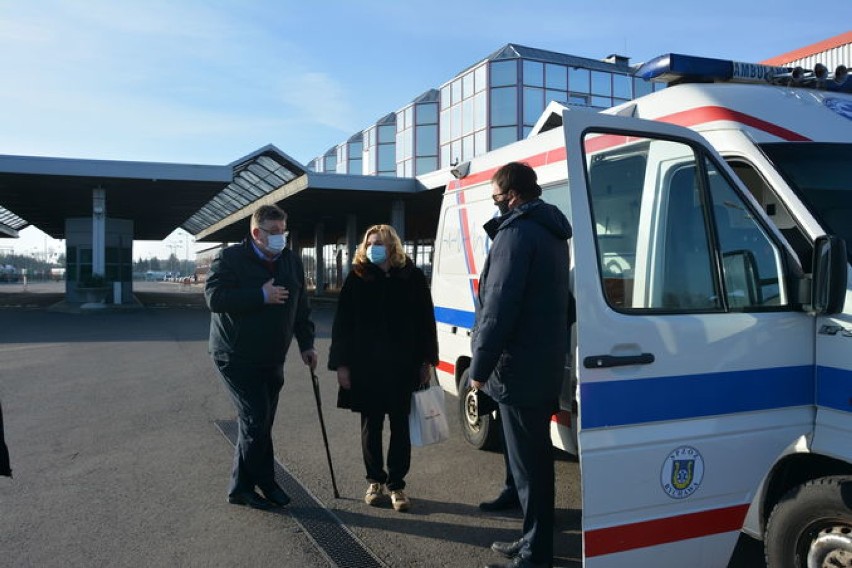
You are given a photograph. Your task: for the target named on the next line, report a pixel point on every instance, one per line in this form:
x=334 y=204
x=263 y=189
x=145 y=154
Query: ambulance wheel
x=811 y=527
x=482 y=432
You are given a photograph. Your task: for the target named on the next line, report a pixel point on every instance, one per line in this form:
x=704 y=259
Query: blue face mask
x=377 y=254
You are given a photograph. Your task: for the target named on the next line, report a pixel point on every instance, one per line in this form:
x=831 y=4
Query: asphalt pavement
x=110 y=421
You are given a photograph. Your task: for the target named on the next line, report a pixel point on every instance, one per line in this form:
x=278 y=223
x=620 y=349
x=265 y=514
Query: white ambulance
x=710 y=389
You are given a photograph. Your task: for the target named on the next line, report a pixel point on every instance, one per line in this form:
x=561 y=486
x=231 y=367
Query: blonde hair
x=389 y=238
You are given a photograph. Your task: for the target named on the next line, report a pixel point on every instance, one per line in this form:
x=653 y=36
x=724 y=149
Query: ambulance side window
x=776 y=210
x=752 y=265
x=673 y=235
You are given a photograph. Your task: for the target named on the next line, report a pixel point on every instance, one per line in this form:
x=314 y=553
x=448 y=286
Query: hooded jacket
x=242 y=326
x=523 y=312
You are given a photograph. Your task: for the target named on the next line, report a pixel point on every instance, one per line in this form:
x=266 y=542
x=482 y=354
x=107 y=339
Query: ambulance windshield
x=819 y=173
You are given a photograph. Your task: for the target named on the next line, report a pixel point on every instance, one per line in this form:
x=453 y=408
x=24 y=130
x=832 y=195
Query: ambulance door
x=695 y=370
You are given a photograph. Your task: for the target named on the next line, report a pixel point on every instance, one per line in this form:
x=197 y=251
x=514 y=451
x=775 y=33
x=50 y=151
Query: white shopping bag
x=428 y=419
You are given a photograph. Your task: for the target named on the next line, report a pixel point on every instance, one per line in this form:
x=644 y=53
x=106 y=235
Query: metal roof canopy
x=329 y=198
x=158 y=197
x=213 y=203
x=255 y=176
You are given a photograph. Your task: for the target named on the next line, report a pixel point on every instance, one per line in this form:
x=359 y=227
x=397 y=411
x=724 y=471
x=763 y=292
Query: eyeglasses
x=268 y=232
x=494 y=197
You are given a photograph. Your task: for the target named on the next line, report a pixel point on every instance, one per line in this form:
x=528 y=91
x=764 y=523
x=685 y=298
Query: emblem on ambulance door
x=682 y=472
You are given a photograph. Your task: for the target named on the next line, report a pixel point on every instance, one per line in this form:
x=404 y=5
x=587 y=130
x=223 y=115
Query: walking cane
x=315 y=381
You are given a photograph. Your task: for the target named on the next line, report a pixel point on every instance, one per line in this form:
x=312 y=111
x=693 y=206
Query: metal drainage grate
x=331 y=537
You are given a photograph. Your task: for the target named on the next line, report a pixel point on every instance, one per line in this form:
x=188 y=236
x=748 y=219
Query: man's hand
x=310 y=358
x=275 y=294
x=343 y=378
x=476 y=384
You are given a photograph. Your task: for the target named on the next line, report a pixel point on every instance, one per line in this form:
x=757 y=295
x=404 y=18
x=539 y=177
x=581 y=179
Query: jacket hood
x=547 y=215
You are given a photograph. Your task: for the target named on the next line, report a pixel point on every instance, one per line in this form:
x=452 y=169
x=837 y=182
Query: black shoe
x=276 y=495
x=508 y=549
x=250 y=499
x=518 y=562
x=505 y=501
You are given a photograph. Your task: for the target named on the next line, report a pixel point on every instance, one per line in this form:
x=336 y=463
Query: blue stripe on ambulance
x=618 y=403
x=458 y=318
x=833 y=388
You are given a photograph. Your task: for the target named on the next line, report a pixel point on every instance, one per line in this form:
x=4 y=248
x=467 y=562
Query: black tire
x=482 y=432
x=813 y=519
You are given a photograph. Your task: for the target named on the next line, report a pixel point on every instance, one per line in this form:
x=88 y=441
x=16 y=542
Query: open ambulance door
x=694 y=365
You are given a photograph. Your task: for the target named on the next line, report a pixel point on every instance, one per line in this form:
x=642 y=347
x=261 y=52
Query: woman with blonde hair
x=383 y=344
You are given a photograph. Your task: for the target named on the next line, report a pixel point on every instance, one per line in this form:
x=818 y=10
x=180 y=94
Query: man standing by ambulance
x=520 y=343
x=258 y=302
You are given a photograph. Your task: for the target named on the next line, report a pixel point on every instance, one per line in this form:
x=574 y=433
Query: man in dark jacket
x=520 y=344
x=256 y=293
x=5 y=467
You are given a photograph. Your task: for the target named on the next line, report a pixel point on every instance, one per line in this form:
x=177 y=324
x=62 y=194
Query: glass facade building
x=493 y=103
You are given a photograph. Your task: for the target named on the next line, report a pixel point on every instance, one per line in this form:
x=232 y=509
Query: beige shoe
x=374 y=495
x=400 y=500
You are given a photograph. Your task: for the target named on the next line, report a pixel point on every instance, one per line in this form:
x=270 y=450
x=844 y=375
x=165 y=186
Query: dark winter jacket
x=384 y=331
x=242 y=326
x=520 y=339
x=5 y=468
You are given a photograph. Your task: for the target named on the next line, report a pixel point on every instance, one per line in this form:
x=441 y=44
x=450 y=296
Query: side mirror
x=828 y=292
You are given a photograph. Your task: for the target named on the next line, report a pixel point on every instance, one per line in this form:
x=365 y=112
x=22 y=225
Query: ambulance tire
x=812 y=526
x=482 y=432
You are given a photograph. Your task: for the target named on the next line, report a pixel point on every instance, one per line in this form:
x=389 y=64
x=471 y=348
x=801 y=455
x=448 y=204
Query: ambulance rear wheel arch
x=482 y=432
x=811 y=526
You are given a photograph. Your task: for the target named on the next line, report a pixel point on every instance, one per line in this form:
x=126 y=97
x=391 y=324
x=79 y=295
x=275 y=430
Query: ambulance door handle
x=601 y=361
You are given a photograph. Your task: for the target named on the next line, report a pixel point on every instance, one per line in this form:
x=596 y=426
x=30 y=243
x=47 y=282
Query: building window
x=622 y=86
x=503 y=136
x=641 y=87
x=533 y=104
x=533 y=73
x=355 y=158
x=504 y=73
x=426 y=139
x=602 y=83
x=504 y=106
x=556 y=77
x=579 y=80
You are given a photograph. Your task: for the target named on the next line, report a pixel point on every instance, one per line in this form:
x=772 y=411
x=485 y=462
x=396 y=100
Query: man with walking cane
x=256 y=294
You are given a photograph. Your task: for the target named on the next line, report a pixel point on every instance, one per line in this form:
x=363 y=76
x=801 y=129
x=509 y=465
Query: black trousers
x=530 y=454
x=509 y=483
x=254 y=391
x=399 y=448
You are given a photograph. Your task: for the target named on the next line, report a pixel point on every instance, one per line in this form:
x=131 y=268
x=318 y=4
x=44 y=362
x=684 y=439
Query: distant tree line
x=31 y=263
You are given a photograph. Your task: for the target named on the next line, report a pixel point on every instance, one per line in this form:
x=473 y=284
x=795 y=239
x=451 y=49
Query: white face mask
x=276 y=243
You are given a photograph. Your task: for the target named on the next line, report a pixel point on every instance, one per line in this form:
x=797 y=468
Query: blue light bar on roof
x=677 y=68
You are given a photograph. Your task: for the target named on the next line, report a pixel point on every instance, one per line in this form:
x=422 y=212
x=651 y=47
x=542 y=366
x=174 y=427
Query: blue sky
x=208 y=82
